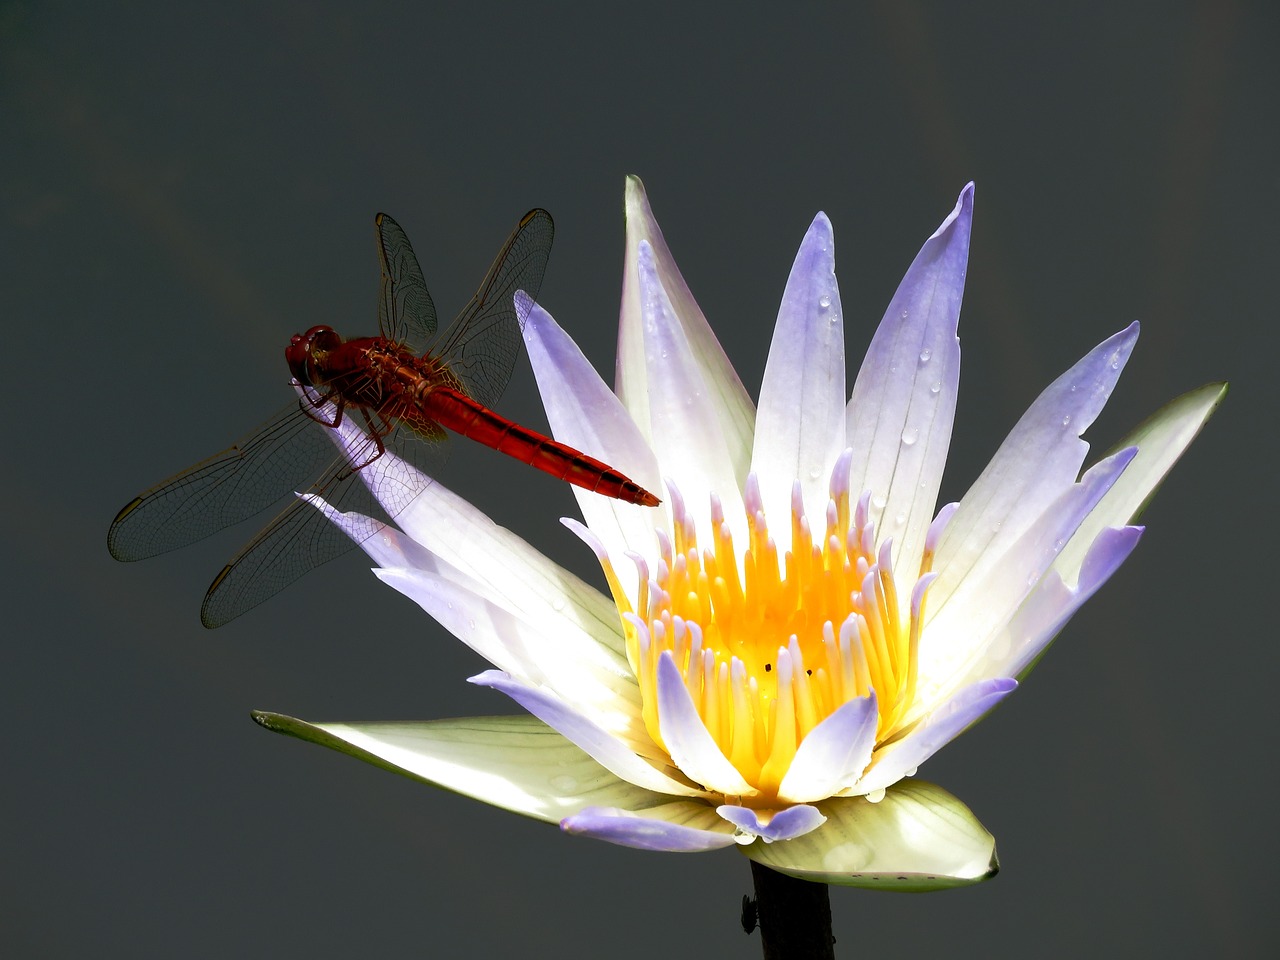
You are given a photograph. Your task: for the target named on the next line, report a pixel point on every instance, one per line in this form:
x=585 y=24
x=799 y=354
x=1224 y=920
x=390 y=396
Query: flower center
x=769 y=649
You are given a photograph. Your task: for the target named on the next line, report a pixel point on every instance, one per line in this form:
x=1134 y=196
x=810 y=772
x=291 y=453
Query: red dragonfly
x=402 y=388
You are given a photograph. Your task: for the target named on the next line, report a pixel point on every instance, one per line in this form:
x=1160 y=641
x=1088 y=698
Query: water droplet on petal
x=878 y=502
x=471 y=624
x=557 y=603
x=564 y=783
x=900 y=519
x=904 y=314
x=925 y=355
x=824 y=301
x=935 y=387
x=910 y=436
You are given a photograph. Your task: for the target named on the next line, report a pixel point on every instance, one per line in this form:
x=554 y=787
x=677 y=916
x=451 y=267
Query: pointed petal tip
x=961 y=215
x=635 y=200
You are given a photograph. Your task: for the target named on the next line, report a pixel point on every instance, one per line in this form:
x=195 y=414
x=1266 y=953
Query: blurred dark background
x=181 y=191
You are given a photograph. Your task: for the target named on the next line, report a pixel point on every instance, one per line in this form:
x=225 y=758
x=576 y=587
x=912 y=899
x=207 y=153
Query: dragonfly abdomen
x=457 y=412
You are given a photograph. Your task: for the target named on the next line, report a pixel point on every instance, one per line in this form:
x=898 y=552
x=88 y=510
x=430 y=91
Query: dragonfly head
x=307 y=352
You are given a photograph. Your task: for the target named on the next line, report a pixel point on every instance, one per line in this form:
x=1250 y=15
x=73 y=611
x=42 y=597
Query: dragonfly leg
x=315 y=402
x=375 y=433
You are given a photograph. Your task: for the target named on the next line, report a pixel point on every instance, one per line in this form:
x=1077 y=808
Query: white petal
x=584 y=413
x=687 y=739
x=903 y=403
x=800 y=422
x=919 y=837
x=732 y=407
x=685 y=826
x=833 y=754
x=615 y=754
x=940 y=727
x=1051 y=605
x=563 y=661
x=504 y=564
x=688 y=438
x=516 y=763
x=1161 y=441
x=971 y=622
x=1039 y=459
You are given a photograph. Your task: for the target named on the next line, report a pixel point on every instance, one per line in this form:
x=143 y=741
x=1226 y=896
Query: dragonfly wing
x=246 y=478
x=482 y=343
x=303 y=537
x=406 y=313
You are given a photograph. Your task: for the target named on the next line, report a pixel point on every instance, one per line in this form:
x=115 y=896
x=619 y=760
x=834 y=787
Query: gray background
x=180 y=192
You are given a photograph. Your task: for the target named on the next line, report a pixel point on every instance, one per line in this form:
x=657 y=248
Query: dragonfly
x=398 y=392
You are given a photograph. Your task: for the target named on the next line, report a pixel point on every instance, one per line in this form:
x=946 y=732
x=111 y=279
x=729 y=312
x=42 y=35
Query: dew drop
x=878 y=502
x=900 y=519
x=1066 y=421
x=815 y=473
x=557 y=603
x=904 y=314
x=1075 y=387
x=471 y=624
x=910 y=436
x=564 y=783
x=824 y=301
x=935 y=387
x=925 y=355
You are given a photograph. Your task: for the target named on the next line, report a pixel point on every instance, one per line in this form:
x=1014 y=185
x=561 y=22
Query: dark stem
x=794 y=916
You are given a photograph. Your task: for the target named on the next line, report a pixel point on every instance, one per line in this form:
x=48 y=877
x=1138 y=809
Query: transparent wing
x=302 y=538
x=482 y=343
x=246 y=478
x=406 y=313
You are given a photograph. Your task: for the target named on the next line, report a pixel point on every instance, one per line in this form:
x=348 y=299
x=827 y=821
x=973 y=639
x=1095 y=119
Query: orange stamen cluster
x=769 y=649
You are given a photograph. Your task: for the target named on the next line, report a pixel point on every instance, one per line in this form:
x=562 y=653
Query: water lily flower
x=798 y=627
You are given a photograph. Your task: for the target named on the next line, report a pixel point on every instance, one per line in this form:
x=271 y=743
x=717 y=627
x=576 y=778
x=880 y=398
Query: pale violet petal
x=420 y=574
x=516 y=763
x=833 y=755
x=919 y=837
x=560 y=660
x=786 y=824
x=728 y=399
x=681 y=827
x=615 y=754
x=1028 y=634
x=904 y=400
x=1039 y=459
x=1161 y=440
x=505 y=565
x=800 y=422
x=942 y=725
x=967 y=625
x=688 y=438
x=686 y=737
x=584 y=413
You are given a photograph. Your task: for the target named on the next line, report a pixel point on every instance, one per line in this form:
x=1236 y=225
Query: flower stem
x=794 y=916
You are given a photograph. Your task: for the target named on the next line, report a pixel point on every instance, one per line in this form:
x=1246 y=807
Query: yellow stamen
x=769 y=647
